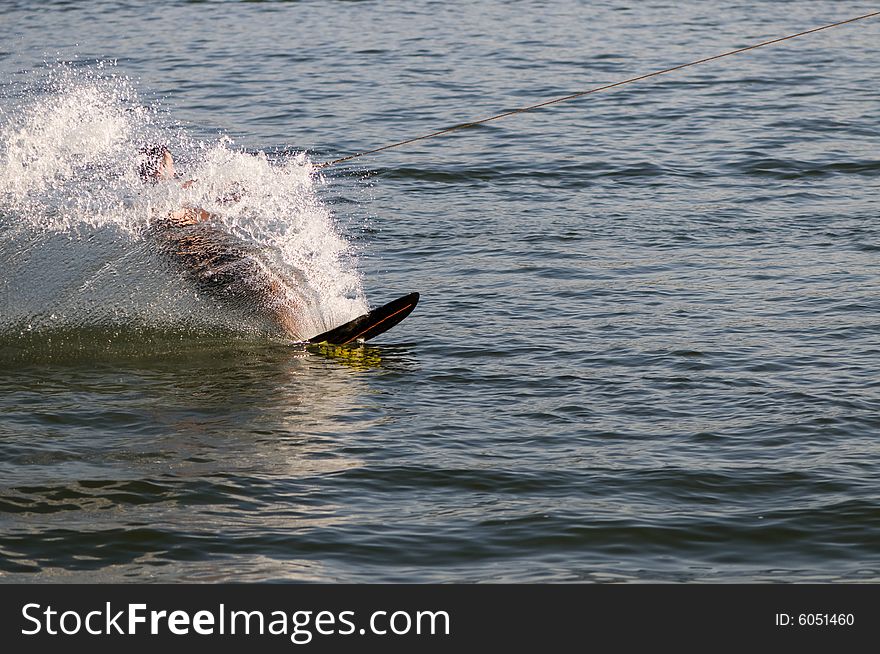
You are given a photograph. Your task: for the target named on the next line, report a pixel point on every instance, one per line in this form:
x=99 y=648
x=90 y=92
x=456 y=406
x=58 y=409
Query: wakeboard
x=369 y=325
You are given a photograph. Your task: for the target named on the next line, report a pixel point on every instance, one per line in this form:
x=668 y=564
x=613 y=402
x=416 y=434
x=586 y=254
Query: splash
x=75 y=217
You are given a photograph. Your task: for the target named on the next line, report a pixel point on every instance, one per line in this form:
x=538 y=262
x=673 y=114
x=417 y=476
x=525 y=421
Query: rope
x=593 y=90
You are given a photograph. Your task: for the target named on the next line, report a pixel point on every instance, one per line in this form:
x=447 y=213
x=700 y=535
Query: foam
x=74 y=245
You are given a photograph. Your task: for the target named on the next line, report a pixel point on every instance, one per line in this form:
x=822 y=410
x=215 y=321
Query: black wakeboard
x=371 y=324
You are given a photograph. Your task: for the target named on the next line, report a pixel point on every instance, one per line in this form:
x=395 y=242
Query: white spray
x=74 y=216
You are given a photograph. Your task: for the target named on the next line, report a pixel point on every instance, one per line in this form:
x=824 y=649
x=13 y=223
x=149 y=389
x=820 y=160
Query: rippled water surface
x=649 y=336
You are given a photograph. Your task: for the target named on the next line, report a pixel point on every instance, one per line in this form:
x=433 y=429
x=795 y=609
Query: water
x=648 y=341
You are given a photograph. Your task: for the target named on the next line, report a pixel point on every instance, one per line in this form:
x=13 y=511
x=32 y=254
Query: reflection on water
x=106 y=455
x=357 y=357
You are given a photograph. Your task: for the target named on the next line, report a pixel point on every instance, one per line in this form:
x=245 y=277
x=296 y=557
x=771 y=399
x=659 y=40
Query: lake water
x=649 y=336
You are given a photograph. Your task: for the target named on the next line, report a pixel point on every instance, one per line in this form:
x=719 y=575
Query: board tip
x=371 y=324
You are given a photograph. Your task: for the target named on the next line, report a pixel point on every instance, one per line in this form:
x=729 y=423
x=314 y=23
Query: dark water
x=649 y=338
